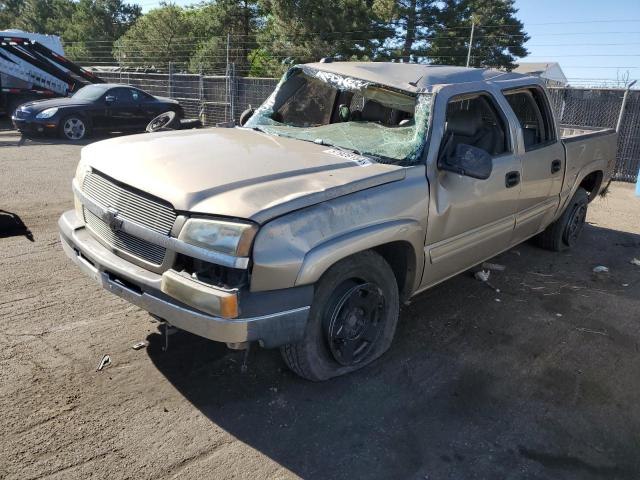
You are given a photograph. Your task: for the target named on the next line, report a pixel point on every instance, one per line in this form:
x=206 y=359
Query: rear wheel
x=565 y=231
x=74 y=127
x=352 y=320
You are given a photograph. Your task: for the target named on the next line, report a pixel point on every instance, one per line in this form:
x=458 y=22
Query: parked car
x=353 y=188
x=98 y=107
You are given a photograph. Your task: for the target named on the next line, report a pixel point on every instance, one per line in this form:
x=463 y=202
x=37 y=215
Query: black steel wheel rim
x=576 y=224
x=355 y=323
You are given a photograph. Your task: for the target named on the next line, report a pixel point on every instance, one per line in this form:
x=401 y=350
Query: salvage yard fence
x=216 y=99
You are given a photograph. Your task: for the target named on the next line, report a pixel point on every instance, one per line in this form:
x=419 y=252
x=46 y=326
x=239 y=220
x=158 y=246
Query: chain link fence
x=601 y=108
x=218 y=99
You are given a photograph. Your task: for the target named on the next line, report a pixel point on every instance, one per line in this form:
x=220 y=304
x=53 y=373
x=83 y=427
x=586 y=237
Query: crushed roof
x=412 y=76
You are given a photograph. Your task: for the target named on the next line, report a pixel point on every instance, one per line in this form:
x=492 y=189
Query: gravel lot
x=538 y=381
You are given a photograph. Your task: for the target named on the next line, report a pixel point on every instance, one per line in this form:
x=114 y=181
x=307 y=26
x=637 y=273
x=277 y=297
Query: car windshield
x=348 y=113
x=90 y=92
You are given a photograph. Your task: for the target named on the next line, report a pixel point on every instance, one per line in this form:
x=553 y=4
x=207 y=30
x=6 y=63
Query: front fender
x=318 y=260
x=297 y=248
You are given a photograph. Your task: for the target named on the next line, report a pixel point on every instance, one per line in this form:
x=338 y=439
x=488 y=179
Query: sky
x=594 y=41
x=605 y=45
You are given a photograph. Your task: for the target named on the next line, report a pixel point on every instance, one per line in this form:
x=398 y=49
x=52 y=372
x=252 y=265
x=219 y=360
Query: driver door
x=471 y=219
x=121 y=108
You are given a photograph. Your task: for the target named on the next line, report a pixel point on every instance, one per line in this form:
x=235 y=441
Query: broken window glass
x=349 y=113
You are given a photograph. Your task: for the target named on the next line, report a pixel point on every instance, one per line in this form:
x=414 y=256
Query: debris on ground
x=105 y=362
x=482 y=275
x=493 y=266
x=558 y=315
x=635 y=262
x=139 y=345
x=588 y=330
x=600 y=269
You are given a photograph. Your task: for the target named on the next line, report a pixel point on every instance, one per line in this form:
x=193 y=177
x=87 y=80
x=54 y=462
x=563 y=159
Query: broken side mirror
x=246 y=115
x=469 y=161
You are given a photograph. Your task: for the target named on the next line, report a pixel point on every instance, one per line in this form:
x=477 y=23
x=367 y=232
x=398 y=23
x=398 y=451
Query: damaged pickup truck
x=354 y=187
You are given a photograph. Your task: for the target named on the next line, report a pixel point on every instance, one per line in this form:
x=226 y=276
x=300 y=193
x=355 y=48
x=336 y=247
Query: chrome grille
x=133 y=206
x=145 y=211
x=123 y=241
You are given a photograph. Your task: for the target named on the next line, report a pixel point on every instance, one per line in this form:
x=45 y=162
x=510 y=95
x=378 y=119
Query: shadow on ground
x=537 y=381
x=11 y=225
x=10 y=137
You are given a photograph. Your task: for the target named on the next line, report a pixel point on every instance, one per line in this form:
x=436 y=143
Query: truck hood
x=235 y=172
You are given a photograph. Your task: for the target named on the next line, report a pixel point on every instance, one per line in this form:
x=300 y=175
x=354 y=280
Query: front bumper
x=142 y=288
x=34 y=126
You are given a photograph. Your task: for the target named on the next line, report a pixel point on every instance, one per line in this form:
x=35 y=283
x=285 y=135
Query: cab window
x=534 y=116
x=477 y=121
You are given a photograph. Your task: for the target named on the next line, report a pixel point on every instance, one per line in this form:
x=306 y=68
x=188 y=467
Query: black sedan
x=99 y=107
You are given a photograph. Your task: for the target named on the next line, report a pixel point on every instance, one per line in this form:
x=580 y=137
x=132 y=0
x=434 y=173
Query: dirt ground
x=537 y=381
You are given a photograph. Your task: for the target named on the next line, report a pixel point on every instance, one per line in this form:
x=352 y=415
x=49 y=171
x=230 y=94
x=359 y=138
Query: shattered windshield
x=347 y=113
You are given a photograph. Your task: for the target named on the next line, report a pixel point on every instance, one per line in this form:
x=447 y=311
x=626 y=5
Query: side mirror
x=109 y=99
x=469 y=161
x=246 y=115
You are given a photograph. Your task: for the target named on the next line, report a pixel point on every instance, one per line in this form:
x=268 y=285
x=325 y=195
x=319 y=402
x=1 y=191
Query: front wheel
x=74 y=128
x=565 y=231
x=352 y=320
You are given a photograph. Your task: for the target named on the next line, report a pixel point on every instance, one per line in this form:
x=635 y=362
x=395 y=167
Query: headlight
x=231 y=238
x=48 y=113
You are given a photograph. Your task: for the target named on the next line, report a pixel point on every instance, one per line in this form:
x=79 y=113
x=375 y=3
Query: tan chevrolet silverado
x=354 y=187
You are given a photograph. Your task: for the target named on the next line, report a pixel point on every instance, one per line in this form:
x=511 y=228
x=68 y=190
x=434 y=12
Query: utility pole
x=470 y=43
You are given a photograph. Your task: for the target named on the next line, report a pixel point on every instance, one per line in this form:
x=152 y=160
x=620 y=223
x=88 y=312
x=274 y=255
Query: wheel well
x=402 y=260
x=591 y=183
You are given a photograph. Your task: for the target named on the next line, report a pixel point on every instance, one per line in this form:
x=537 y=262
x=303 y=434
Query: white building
x=549 y=71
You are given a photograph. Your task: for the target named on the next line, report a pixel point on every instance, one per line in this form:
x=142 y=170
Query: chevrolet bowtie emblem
x=111 y=218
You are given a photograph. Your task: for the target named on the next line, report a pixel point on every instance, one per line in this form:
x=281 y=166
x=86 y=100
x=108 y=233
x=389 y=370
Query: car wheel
x=352 y=320
x=74 y=128
x=165 y=121
x=565 y=231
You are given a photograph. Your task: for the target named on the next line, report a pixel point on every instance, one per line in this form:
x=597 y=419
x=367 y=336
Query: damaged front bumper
x=270 y=318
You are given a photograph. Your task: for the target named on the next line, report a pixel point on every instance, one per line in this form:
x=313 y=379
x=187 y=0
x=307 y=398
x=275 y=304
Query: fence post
x=473 y=26
x=170 y=86
x=624 y=104
x=201 y=98
x=232 y=91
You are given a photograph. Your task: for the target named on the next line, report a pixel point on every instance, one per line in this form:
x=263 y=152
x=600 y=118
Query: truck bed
x=588 y=148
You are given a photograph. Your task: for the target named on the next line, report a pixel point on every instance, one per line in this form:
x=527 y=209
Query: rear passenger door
x=542 y=157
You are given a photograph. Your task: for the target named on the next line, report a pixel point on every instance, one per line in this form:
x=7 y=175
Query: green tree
x=10 y=11
x=225 y=24
x=307 y=30
x=43 y=16
x=94 y=26
x=498 y=40
x=412 y=20
x=161 y=36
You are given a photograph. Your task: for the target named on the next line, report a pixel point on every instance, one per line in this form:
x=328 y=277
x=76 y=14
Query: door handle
x=556 y=165
x=512 y=179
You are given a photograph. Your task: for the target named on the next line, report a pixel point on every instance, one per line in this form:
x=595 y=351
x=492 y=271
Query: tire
x=168 y=120
x=74 y=128
x=565 y=231
x=352 y=320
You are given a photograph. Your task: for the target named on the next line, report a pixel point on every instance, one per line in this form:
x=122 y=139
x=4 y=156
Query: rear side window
x=477 y=121
x=534 y=115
